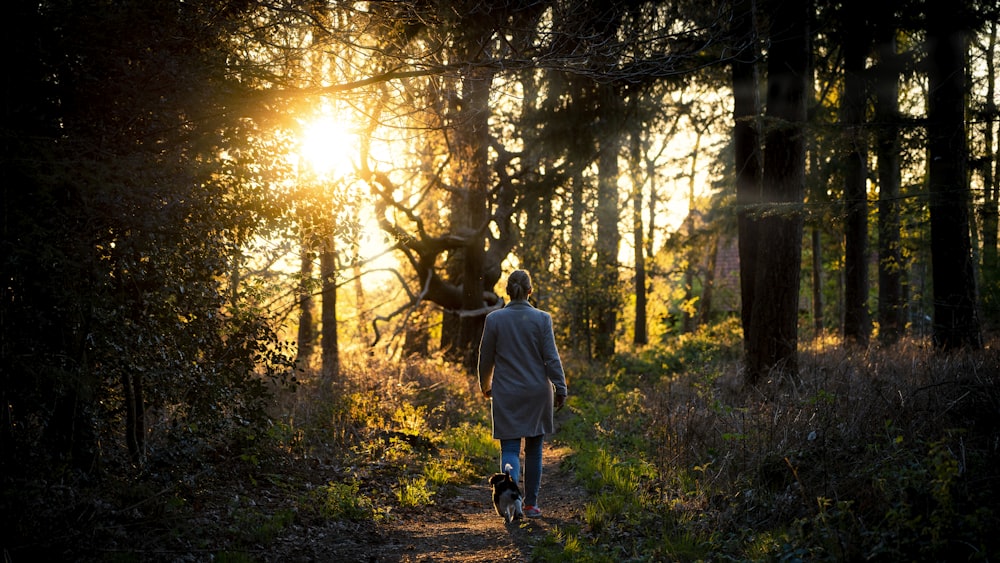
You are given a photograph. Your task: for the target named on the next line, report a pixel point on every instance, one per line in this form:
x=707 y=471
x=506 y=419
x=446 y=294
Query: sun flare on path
x=328 y=147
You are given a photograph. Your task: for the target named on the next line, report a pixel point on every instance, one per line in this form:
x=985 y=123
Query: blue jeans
x=510 y=453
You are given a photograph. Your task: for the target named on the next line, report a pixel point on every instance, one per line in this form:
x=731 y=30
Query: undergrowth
x=345 y=457
x=407 y=435
x=391 y=438
x=881 y=454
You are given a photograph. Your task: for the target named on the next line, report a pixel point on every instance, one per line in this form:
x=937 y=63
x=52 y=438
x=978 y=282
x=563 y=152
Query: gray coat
x=519 y=362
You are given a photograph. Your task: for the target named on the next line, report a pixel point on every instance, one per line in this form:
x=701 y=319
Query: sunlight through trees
x=207 y=202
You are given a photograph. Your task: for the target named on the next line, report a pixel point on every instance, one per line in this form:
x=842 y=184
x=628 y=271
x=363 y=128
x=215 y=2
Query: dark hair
x=518 y=285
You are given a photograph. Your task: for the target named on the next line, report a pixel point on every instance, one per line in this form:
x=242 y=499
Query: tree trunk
x=579 y=275
x=608 y=236
x=639 y=335
x=473 y=135
x=689 y=317
x=708 y=288
x=772 y=340
x=328 y=314
x=306 y=338
x=817 y=281
x=956 y=324
x=688 y=308
x=857 y=320
x=135 y=417
x=537 y=246
x=654 y=200
x=990 y=213
x=746 y=147
x=888 y=147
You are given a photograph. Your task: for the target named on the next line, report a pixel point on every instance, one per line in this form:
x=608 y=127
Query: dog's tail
x=507 y=469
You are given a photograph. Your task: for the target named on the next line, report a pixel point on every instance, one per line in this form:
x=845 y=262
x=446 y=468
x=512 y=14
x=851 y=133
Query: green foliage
x=438 y=472
x=928 y=506
x=392 y=431
x=624 y=518
x=678 y=466
x=414 y=492
x=475 y=450
x=123 y=243
x=473 y=440
x=709 y=345
x=918 y=517
x=342 y=501
x=410 y=419
x=559 y=546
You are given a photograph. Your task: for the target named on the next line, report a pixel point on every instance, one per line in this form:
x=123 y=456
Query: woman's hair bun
x=518 y=284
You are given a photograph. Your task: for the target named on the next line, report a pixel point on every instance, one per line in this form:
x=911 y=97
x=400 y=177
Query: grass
x=882 y=454
x=342 y=501
x=414 y=492
x=411 y=434
x=386 y=438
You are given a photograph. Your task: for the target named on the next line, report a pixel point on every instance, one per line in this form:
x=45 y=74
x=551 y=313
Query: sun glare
x=328 y=151
x=328 y=147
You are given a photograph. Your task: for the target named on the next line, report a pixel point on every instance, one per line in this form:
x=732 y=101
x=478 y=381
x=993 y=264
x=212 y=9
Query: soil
x=461 y=528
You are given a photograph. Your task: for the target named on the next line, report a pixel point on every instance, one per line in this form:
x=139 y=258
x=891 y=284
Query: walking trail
x=466 y=529
x=461 y=527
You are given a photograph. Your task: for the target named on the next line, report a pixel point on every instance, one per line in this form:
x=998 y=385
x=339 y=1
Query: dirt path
x=466 y=529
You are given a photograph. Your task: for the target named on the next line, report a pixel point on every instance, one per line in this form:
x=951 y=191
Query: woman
x=519 y=366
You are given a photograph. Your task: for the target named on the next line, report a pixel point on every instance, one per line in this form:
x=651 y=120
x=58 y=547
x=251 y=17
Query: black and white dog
x=506 y=496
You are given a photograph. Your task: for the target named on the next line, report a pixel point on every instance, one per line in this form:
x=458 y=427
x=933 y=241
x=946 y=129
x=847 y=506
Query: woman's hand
x=559 y=401
x=488 y=393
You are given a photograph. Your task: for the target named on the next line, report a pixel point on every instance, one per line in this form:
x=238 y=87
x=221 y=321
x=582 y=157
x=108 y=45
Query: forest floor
x=463 y=527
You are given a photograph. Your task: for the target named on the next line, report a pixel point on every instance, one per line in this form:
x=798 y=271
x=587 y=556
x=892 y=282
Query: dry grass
x=897 y=437
x=884 y=454
x=371 y=396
